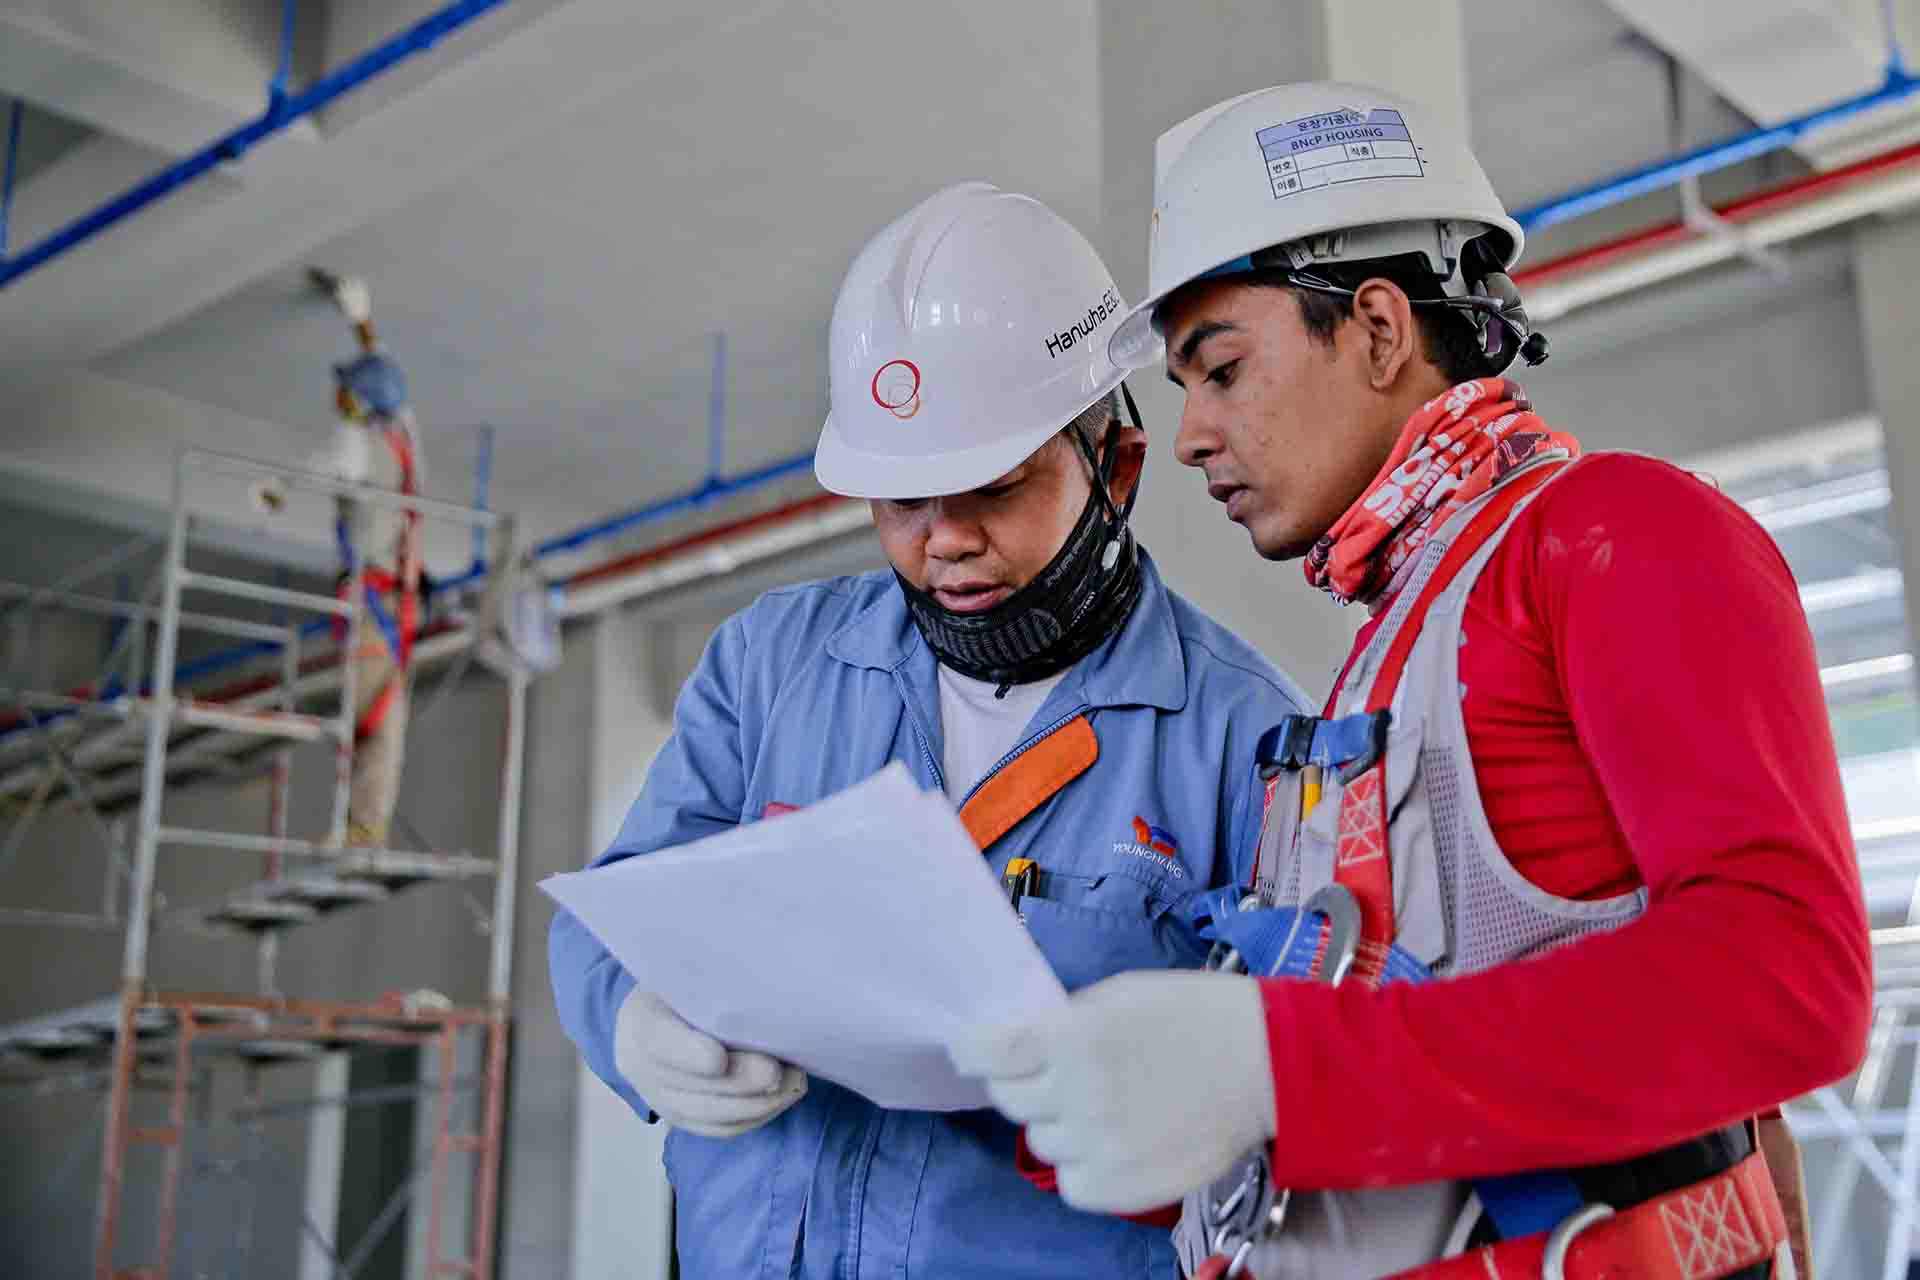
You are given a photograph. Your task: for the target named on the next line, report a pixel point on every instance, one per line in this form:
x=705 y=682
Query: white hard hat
x=966 y=334
x=1279 y=166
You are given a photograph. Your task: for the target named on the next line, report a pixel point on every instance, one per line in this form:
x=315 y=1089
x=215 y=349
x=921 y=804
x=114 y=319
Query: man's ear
x=1129 y=445
x=1385 y=318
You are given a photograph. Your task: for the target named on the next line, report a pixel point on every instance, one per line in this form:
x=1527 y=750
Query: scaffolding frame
x=221 y=728
x=1857 y=1113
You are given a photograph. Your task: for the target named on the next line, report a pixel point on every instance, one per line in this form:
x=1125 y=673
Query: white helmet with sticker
x=967 y=333
x=1331 y=171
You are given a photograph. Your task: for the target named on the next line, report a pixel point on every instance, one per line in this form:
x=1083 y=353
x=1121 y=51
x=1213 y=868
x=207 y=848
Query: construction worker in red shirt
x=1559 y=893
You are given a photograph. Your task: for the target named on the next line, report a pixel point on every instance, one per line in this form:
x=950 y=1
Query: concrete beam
x=147 y=273
x=170 y=75
x=1776 y=59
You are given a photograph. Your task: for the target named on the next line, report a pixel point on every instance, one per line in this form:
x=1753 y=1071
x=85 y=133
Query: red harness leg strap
x=1710 y=1229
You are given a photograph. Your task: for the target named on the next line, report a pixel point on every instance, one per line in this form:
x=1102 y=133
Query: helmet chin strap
x=1084 y=594
x=1103 y=468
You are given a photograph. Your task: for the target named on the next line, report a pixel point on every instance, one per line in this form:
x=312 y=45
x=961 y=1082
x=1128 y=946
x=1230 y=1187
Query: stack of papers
x=853 y=939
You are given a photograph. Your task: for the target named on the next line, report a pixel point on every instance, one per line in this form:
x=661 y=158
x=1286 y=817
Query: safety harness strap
x=1029 y=781
x=1362 y=858
x=1713 y=1228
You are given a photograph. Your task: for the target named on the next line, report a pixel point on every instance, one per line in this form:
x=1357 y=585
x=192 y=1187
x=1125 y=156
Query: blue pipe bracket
x=13 y=163
x=482 y=495
x=281 y=111
x=283 y=73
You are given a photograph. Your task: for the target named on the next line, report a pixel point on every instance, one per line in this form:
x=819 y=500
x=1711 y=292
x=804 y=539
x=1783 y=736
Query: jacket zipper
x=920 y=732
x=1022 y=749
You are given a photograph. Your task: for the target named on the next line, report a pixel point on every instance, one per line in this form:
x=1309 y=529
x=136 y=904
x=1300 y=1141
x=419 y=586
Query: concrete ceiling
x=561 y=207
x=558 y=221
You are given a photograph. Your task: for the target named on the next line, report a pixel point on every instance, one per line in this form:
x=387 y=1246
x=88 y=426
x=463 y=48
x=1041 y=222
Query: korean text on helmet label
x=1337 y=146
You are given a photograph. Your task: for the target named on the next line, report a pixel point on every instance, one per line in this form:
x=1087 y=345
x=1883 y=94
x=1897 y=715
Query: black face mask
x=1084 y=595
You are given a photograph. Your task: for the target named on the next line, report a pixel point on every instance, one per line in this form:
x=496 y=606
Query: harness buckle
x=1378 y=723
x=1554 y=1265
x=1286 y=747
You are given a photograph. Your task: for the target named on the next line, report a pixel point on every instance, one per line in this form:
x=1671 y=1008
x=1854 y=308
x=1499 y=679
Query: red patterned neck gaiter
x=1457 y=447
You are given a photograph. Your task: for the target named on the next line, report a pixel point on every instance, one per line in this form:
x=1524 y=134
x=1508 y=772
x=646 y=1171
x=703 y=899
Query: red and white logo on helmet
x=896 y=388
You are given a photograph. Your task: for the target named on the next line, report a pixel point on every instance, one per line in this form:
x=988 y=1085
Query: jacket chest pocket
x=1092 y=927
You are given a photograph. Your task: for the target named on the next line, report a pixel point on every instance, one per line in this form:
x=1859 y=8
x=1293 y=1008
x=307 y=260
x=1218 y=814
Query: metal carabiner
x=1224 y=958
x=1554 y=1265
x=1335 y=904
x=1255 y=1209
x=1238 y=1216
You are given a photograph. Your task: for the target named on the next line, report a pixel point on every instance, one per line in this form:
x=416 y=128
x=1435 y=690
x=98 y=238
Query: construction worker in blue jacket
x=1096 y=731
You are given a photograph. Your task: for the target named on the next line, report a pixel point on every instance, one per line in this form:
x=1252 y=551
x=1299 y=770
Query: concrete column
x=1886 y=261
x=537 y=1179
x=623 y=1207
x=1158 y=65
x=1410 y=46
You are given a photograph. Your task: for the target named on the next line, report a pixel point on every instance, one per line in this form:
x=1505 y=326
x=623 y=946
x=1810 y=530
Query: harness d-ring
x=1554 y=1265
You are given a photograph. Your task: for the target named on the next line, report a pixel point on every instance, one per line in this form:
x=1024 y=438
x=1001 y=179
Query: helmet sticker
x=1343 y=145
x=896 y=388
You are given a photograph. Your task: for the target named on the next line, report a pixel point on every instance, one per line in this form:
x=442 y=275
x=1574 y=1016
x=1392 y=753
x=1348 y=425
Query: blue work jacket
x=813 y=688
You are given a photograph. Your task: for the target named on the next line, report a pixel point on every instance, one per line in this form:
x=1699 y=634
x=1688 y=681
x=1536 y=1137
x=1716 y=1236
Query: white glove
x=692 y=1080
x=354 y=298
x=346 y=456
x=1143 y=1088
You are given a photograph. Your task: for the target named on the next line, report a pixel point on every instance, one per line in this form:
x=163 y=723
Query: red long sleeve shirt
x=1643 y=706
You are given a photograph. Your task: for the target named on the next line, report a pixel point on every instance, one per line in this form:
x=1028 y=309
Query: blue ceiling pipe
x=710 y=491
x=1899 y=86
x=282 y=110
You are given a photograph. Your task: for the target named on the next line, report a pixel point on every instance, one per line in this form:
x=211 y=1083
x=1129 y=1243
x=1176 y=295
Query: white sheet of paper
x=852 y=938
